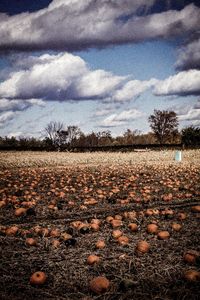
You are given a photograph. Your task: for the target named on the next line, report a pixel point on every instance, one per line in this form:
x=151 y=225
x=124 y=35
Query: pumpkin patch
x=107 y=229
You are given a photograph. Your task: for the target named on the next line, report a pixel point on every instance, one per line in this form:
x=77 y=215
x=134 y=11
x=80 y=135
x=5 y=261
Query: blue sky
x=101 y=65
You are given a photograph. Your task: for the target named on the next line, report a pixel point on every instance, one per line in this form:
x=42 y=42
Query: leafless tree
x=53 y=132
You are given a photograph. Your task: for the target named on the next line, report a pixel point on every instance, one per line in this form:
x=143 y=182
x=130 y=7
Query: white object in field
x=178 y=156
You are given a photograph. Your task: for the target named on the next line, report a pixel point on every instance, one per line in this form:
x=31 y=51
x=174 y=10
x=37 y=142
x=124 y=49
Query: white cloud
x=132 y=89
x=189 y=56
x=183 y=84
x=188 y=113
x=67 y=77
x=121 y=118
x=191 y=115
x=75 y=25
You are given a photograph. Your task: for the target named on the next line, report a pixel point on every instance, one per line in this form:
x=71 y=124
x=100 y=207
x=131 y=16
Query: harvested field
x=62 y=196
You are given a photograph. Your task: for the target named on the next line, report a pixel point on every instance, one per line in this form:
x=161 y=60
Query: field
x=55 y=207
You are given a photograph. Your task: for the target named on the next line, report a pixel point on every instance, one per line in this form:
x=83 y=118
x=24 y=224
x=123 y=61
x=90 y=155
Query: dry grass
x=51 y=159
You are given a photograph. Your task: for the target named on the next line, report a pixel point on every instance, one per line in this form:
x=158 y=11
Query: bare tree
x=71 y=134
x=53 y=131
x=164 y=125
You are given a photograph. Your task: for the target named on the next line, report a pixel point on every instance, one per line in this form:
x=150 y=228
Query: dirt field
x=62 y=194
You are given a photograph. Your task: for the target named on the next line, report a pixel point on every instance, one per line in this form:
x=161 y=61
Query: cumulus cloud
x=122 y=118
x=193 y=114
x=65 y=77
x=185 y=83
x=133 y=88
x=76 y=25
x=188 y=112
x=189 y=56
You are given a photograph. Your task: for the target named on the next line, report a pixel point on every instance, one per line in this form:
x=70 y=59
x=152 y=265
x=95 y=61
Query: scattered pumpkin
x=109 y=219
x=55 y=233
x=131 y=215
x=92 y=259
x=65 y=236
x=182 y=216
x=196 y=208
x=44 y=232
x=152 y=228
x=99 y=284
x=94 y=227
x=56 y=243
x=100 y=244
x=192 y=275
x=149 y=212
x=163 y=235
x=38 y=278
x=11 y=230
x=191 y=256
x=133 y=227
x=31 y=242
x=123 y=240
x=95 y=221
x=142 y=247
x=176 y=226
x=117 y=233
x=116 y=223
x=20 y=211
x=2 y=203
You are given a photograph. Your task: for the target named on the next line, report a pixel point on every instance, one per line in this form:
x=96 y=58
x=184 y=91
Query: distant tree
x=191 y=135
x=104 y=138
x=54 y=136
x=164 y=125
x=130 y=136
x=70 y=135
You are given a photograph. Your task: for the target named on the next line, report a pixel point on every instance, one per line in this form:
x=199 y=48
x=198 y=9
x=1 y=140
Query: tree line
x=164 y=125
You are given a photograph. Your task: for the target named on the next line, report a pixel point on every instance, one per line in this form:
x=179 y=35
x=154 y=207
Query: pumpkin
x=116 y=233
x=31 y=242
x=116 y=223
x=100 y=245
x=95 y=221
x=38 y=278
x=92 y=259
x=99 y=284
x=94 y=227
x=196 y=208
x=109 y=219
x=176 y=226
x=123 y=240
x=192 y=275
x=55 y=243
x=12 y=230
x=20 y=211
x=182 y=216
x=142 y=247
x=152 y=228
x=163 y=235
x=191 y=256
x=55 y=233
x=133 y=227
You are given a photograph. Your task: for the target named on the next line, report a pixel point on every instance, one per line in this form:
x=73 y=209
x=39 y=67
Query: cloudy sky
x=98 y=64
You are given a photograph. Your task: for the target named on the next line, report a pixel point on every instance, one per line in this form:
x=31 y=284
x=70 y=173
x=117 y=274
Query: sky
x=98 y=64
